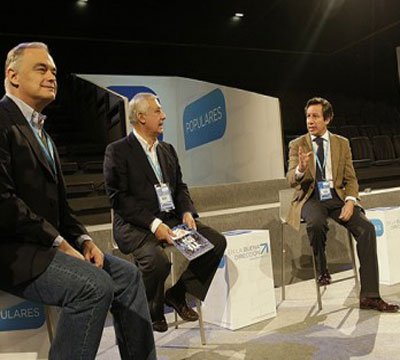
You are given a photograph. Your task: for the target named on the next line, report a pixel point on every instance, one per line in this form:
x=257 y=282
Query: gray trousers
x=155 y=267
x=316 y=212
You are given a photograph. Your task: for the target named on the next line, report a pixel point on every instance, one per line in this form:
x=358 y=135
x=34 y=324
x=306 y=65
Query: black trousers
x=316 y=212
x=155 y=267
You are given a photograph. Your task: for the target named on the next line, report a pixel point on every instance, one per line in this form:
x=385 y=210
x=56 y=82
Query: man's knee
x=131 y=271
x=100 y=288
x=368 y=227
x=156 y=265
x=220 y=244
x=317 y=225
x=216 y=238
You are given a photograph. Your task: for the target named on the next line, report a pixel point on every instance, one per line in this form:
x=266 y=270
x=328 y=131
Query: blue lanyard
x=322 y=167
x=156 y=168
x=49 y=157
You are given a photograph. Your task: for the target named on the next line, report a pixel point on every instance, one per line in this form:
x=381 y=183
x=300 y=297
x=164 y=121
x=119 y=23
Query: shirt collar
x=144 y=143
x=32 y=116
x=325 y=136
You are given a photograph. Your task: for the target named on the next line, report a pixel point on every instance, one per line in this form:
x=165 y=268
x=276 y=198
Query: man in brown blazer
x=321 y=170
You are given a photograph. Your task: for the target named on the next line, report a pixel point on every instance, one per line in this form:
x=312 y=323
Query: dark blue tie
x=320 y=175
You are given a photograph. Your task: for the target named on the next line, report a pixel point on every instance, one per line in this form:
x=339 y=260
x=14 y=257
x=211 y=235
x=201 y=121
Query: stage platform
x=341 y=331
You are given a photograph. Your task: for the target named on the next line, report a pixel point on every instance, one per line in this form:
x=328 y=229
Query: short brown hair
x=326 y=107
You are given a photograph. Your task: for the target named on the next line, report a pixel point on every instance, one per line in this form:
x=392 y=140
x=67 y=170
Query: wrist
x=300 y=169
x=58 y=241
x=155 y=225
x=85 y=243
x=159 y=227
x=64 y=245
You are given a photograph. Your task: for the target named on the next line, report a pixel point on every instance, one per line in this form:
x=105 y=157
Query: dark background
x=278 y=47
x=343 y=50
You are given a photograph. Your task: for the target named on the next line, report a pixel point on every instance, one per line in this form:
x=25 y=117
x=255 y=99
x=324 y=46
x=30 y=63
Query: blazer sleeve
x=116 y=182
x=183 y=201
x=17 y=220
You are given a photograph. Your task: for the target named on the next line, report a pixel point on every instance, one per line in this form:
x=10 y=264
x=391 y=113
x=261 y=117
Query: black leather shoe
x=181 y=307
x=378 y=304
x=324 y=278
x=160 y=325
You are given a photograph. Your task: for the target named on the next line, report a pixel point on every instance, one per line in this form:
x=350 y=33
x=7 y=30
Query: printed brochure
x=190 y=242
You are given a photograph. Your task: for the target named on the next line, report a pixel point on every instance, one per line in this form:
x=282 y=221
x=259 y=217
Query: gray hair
x=139 y=104
x=15 y=54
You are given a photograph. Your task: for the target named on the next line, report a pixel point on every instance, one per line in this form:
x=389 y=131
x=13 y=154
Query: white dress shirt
x=151 y=153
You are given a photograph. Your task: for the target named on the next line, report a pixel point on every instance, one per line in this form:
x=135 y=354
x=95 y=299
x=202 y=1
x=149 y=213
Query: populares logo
x=204 y=120
x=379 y=229
x=23 y=316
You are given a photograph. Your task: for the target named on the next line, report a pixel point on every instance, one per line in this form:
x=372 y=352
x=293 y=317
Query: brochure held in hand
x=190 y=242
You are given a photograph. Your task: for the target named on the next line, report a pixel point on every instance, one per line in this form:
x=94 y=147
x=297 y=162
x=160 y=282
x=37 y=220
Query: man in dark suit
x=46 y=254
x=321 y=170
x=136 y=168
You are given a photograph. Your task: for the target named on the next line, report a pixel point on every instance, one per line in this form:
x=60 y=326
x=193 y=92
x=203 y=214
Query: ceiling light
x=239 y=15
x=82 y=3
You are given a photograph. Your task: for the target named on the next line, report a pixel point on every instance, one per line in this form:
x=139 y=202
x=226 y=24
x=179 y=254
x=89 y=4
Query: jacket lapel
x=311 y=164
x=335 y=155
x=23 y=126
x=162 y=158
x=140 y=157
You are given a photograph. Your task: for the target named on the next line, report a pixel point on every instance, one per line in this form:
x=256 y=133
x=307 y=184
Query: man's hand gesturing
x=303 y=159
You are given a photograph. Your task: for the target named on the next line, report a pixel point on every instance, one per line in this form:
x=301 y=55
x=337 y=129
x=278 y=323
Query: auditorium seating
x=383 y=150
x=348 y=131
x=82 y=125
x=396 y=145
x=376 y=163
x=387 y=130
x=362 y=152
x=369 y=131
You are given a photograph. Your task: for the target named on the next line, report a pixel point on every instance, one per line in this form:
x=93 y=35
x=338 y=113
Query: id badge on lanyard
x=164 y=197
x=324 y=190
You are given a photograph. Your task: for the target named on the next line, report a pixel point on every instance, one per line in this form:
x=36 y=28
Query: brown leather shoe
x=181 y=307
x=324 y=278
x=378 y=304
x=160 y=325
